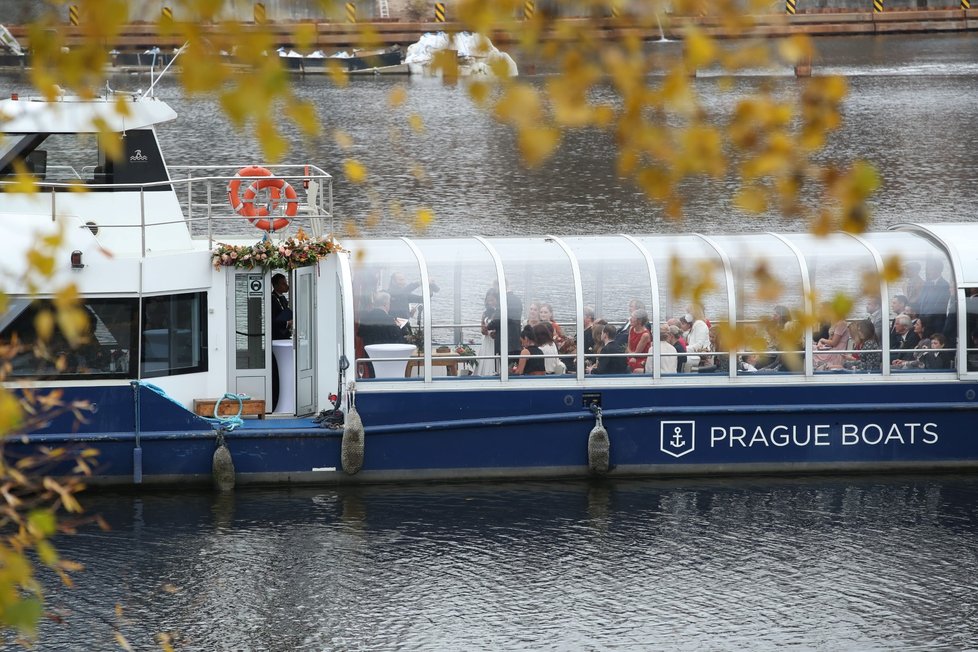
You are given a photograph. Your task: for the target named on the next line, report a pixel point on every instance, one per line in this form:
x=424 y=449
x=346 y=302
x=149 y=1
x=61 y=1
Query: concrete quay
x=336 y=35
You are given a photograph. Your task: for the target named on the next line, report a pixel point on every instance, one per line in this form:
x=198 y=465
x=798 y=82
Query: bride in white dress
x=488 y=365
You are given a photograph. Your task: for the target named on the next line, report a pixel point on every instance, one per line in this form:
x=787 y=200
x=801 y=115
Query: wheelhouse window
x=174 y=335
x=105 y=352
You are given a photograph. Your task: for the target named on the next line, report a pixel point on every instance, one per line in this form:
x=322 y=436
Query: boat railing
x=202 y=194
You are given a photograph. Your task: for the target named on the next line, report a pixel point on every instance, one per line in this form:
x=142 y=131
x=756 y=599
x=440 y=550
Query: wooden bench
x=250 y=407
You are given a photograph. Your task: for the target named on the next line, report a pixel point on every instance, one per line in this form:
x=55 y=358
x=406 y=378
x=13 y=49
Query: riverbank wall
x=339 y=33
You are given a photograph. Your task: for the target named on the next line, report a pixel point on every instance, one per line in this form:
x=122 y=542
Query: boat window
x=106 y=353
x=614 y=275
x=388 y=310
x=692 y=292
x=923 y=292
x=463 y=308
x=770 y=306
x=174 y=335
x=66 y=157
x=540 y=280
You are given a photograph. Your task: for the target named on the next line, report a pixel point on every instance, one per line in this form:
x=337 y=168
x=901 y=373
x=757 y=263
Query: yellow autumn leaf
x=270 y=138
x=416 y=122
x=519 y=105
x=304 y=115
x=11 y=414
x=796 y=49
x=479 y=92
x=423 y=218
x=304 y=35
x=355 y=171
x=751 y=200
x=337 y=74
x=397 y=97
x=700 y=49
x=537 y=144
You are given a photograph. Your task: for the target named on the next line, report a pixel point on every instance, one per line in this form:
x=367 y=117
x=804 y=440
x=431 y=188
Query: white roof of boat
x=959 y=241
x=73 y=115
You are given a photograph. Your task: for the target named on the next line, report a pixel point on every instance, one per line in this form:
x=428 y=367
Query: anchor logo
x=677 y=438
x=139 y=156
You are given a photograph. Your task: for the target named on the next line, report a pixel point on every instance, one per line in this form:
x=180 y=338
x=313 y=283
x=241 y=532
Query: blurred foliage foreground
x=771 y=144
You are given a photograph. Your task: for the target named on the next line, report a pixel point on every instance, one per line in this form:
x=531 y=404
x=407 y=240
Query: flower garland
x=297 y=251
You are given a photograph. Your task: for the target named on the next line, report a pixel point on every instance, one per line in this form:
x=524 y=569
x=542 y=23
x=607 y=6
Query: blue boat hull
x=528 y=432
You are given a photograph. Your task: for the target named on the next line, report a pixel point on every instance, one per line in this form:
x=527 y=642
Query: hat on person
x=688 y=318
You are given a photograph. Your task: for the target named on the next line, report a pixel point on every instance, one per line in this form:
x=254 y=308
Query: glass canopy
x=768 y=303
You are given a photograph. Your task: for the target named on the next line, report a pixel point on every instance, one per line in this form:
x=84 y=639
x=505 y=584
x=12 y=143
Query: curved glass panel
x=386 y=291
x=923 y=293
x=845 y=280
x=770 y=303
x=692 y=288
x=613 y=273
x=464 y=301
x=540 y=280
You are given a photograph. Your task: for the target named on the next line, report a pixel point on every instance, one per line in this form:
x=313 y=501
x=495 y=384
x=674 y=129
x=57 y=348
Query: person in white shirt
x=668 y=359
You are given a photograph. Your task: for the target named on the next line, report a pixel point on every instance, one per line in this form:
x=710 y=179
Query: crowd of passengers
x=921 y=333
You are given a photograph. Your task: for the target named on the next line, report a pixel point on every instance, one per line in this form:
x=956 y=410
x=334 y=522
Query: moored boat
x=178 y=290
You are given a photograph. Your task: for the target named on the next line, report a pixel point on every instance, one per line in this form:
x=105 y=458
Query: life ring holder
x=244 y=203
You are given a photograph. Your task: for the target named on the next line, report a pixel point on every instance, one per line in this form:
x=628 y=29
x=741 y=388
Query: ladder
x=383 y=9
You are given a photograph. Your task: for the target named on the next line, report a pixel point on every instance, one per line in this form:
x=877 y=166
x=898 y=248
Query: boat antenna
x=149 y=91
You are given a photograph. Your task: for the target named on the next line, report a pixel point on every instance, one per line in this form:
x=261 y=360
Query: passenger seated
x=544 y=337
x=838 y=340
x=917 y=361
x=378 y=326
x=869 y=356
x=610 y=365
x=530 y=362
x=668 y=361
x=904 y=338
x=938 y=357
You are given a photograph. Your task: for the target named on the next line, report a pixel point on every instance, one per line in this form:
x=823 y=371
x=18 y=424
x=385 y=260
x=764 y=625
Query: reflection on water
x=825 y=563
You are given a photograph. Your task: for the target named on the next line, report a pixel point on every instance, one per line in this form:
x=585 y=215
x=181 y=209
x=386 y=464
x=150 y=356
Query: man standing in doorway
x=281 y=312
x=281 y=323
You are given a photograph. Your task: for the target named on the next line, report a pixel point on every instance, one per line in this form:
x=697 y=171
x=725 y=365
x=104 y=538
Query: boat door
x=249 y=335
x=303 y=330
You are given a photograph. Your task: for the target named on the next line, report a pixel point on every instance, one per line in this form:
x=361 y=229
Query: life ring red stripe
x=244 y=203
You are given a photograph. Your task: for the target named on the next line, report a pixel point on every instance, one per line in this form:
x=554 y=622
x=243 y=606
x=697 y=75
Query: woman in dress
x=545 y=340
x=838 y=340
x=547 y=315
x=639 y=341
x=530 y=362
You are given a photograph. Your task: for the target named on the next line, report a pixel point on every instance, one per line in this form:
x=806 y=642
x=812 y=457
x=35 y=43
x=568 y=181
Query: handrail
x=190 y=209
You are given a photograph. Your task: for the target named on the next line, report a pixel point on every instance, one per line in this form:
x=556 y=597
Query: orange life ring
x=244 y=204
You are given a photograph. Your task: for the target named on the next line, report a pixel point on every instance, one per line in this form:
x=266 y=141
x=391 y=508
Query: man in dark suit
x=281 y=312
x=514 y=315
x=610 y=365
x=904 y=338
x=934 y=296
x=281 y=322
x=377 y=326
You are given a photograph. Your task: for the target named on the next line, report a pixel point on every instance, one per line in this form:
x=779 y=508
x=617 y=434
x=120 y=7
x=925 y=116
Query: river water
x=846 y=563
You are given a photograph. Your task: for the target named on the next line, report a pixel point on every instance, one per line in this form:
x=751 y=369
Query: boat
x=358 y=61
x=12 y=55
x=475 y=56
x=177 y=282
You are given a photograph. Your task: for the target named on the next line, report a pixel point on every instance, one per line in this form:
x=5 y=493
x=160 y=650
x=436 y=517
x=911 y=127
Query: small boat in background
x=11 y=54
x=382 y=61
